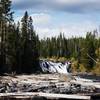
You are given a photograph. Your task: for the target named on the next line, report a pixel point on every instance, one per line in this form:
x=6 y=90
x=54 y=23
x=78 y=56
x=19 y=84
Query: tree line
x=84 y=50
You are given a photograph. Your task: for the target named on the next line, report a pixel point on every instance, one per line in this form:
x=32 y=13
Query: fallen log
x=47 y=95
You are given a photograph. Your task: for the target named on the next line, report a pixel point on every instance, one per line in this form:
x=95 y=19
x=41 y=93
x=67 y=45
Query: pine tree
x=5 y=20
x=88 y=51
x=29 y=45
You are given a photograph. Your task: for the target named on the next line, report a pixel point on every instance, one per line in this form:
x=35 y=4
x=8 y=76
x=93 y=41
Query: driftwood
x=47 y=95
x=47 y=85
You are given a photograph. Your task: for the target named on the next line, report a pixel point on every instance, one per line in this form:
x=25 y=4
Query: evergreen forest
x=21 y=49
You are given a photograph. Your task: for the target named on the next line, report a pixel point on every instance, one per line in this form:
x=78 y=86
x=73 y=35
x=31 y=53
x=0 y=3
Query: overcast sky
x=50 y=17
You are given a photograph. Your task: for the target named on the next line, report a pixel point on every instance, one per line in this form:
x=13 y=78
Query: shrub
x=75 y=66
x=96 y=69
x=82 y=68
x=62 y=59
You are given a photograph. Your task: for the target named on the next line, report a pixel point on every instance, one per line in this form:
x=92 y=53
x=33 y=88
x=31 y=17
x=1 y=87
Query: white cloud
x=44 y=23
x=41 y=18
x=17 y=18
x=38 y=18
x=69 y=30
x=43 y=27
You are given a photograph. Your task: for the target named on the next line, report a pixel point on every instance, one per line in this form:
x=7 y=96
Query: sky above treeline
x=50 y=17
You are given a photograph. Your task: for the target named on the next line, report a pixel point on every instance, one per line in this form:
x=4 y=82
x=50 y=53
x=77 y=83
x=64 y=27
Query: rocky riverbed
x=48 y=83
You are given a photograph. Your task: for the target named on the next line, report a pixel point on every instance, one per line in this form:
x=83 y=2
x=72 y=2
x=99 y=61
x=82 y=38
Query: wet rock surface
x=46 y=83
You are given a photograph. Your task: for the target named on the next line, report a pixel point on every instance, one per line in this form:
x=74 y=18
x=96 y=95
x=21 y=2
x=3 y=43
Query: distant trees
x=59 y=46
x=88 y=52
x=84 y=50
x=54 y=47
